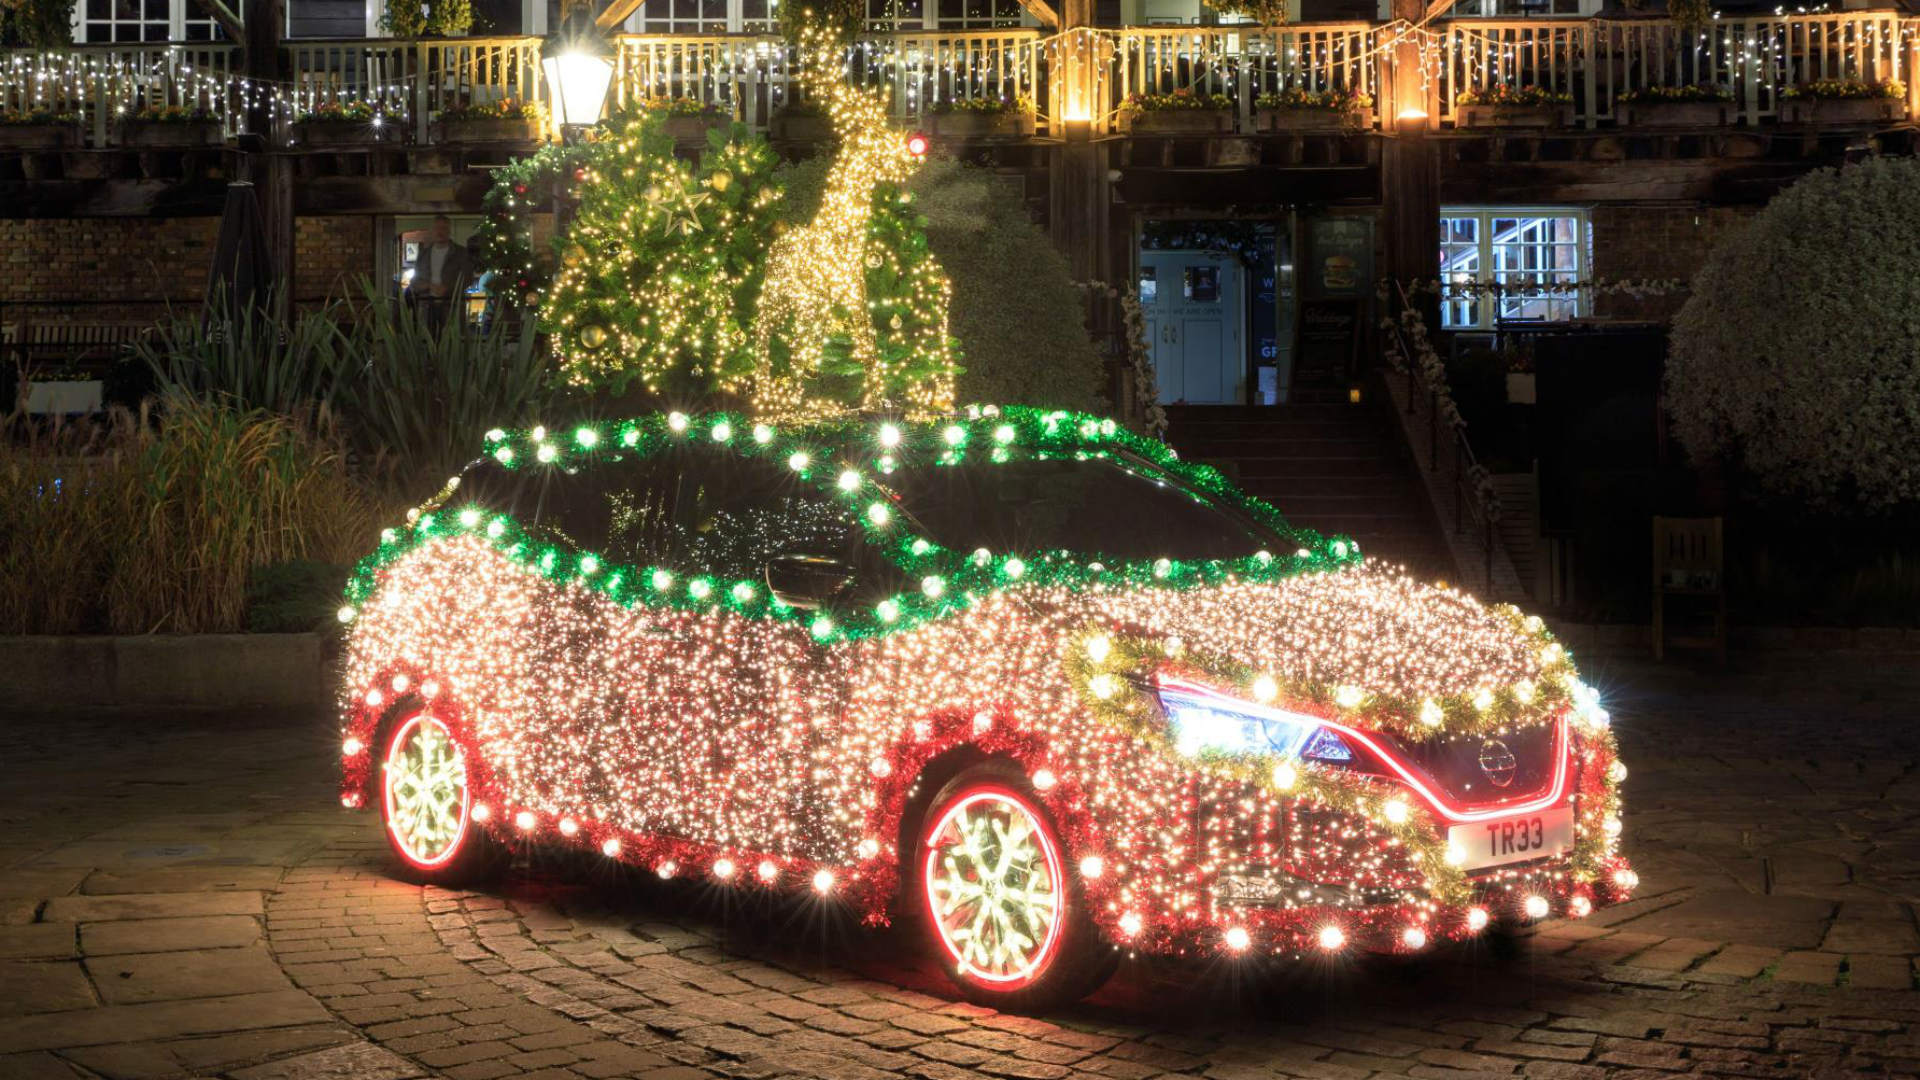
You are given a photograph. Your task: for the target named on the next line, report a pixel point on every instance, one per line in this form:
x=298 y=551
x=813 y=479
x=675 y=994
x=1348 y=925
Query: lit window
x=1531 y=254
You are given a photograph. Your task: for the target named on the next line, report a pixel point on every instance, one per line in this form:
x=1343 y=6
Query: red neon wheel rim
x=995 y=891
x=424 y=791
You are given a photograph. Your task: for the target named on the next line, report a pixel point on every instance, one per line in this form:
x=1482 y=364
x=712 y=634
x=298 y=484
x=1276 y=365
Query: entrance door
x=1195 y=304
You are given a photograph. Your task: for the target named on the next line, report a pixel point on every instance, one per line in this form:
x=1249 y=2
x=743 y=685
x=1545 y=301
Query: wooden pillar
x=270 y=169
x=1410 y=167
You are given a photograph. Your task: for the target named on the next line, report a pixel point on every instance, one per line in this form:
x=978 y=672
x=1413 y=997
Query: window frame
x=1486 y=313
x=181 y=14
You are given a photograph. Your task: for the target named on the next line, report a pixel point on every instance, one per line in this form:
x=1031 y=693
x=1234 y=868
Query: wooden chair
x=1689 y=571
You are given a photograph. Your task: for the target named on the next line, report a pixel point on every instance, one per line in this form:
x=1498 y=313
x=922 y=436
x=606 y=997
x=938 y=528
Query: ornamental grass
x=151 y=522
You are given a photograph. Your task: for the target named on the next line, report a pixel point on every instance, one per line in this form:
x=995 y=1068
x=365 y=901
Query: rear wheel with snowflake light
x=1007 y=919
x=426 y=805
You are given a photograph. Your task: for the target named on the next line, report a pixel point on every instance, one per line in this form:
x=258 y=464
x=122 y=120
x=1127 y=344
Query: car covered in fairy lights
x=1019 y=675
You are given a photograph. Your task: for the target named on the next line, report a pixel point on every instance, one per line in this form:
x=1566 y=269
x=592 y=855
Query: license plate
x=1521 y=838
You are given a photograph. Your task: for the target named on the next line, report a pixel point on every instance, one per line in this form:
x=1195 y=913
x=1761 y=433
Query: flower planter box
x=64 y=397
x=983 y=125
x=801 y=127
x=1180 y=121
x=1842 y=112
x=1287 y=120
x=31 y=137
x=693 y=129
x=1514 y=116
x=141 y=135
x=516 y=130
x=329 y=133
x=1677 y=114
x=1521 y=388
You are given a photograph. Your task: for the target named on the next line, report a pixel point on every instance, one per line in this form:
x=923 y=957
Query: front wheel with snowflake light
x=1008 y=920
x=426 y=806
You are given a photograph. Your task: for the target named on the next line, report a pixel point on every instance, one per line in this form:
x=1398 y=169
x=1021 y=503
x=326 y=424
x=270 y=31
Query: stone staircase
x=1334 y=468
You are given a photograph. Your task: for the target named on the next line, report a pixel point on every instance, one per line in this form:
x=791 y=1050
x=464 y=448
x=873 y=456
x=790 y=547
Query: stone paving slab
x=169 y=935
x=215 y=918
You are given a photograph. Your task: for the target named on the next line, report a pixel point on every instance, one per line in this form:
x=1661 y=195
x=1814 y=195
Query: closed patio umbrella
x=242 y=274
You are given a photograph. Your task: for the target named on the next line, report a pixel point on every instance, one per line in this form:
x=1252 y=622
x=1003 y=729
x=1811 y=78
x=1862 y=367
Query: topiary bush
x=1018 y=315
x=1797 y=358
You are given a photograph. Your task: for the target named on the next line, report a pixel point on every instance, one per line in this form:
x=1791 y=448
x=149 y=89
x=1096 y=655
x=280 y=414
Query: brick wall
x=1639 y=242
x=127 y=269
x=331 y=254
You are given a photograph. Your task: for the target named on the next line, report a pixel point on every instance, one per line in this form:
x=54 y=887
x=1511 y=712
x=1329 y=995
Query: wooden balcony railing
x=1084 y=74
x=752 y=74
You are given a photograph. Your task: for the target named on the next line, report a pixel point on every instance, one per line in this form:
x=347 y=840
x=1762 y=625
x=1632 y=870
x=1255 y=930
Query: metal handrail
x=1472 y=517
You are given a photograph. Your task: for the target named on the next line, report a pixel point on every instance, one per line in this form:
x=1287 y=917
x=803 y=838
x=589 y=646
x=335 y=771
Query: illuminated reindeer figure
x=815 y=291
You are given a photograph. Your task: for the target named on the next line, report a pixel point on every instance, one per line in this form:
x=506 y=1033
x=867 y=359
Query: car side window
x=749 y=511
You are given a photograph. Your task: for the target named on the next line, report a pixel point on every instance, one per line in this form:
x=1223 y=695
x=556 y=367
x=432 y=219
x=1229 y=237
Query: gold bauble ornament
x=720 y=180
x=593 y=335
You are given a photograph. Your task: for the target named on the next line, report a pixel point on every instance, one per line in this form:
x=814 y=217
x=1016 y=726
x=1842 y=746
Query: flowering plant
x=22 y=117
x=503 y=109
x=340 y=112
x=1845 y=90
x=1178 y=99
x=1663 y=95
x=175 y=114
x=1501 y=95
x=1019 y=103
x=1336 y=99
x=676 y=106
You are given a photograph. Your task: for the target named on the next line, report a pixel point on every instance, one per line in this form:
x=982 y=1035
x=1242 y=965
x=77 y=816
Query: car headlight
x=1199 y=720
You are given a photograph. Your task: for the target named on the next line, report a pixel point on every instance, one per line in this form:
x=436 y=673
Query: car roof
x=847 y=455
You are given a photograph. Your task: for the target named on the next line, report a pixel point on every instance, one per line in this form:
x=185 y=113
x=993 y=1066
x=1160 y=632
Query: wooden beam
x=1435 y=8
x=1042 y=11
x=617 y=12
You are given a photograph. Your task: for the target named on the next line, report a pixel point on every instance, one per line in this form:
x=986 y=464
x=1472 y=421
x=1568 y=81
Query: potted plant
x=1501 y=105
x=63 y=392
x=38 y=129
x=983 y=118
x=1698 y=105
x=344 y=123
x=171 y=127
x=686 y=119
x=1298 y=109
x=1842 y=102
x=506 y=120
x=1182 y=112
x=800 y=121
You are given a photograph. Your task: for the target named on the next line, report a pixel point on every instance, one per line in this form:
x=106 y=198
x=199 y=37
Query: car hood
x=1371 y=643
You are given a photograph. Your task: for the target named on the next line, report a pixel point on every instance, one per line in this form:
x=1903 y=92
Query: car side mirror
x=807 y=582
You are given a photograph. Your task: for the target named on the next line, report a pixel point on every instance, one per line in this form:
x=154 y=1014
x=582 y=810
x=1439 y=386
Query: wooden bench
x=1689 y=574
x=38 y=346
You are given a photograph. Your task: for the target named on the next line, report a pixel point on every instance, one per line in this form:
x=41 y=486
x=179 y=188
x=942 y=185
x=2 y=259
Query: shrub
x=1797 y=358
x=422 y=399
x=142 y=527
x=253 y=360
x=1019 y=318
x=40 y=24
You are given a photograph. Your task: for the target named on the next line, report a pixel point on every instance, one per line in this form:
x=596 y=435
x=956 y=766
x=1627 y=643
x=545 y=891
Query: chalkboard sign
x=1329 y=342
x=1342 y=257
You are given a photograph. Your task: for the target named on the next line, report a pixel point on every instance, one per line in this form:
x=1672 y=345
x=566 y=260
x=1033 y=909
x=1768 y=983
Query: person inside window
x=440 y=280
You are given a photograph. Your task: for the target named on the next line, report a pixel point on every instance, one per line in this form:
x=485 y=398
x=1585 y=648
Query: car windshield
x=1115 y=509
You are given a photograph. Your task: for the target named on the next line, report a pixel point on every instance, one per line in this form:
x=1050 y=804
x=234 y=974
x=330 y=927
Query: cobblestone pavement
x=179 y=898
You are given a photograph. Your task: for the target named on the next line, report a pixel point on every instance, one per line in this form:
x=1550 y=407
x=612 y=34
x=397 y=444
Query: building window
x=1522 y=250
x=117 y=21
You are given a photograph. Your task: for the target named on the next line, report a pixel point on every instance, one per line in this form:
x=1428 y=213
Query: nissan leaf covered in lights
x=1021 y=677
